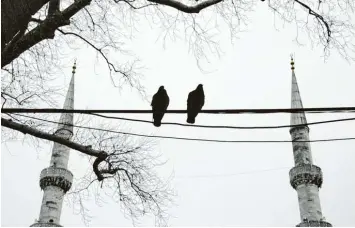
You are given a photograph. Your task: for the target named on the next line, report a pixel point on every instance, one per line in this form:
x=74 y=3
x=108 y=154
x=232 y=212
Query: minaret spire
x=306 y=178
x=56 y=180
x=296 y=102
x=66 y=119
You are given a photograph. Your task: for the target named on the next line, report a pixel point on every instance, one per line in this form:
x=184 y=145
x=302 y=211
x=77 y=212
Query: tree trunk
x=15 y=15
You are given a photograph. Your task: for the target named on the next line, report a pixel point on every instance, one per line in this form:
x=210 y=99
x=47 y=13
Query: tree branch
x=53 y=6
x=136 y=7
x=15 y=16
x=43 y=31
x=110 y=65
x=50 y=137
x=185 y=8
x=100 y=155
x=96 y=164
x=319 y=17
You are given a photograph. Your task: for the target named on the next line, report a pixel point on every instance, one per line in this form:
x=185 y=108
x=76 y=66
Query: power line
x=218 y=126
x=196 y=139
x=225 y=127
x=209 y=111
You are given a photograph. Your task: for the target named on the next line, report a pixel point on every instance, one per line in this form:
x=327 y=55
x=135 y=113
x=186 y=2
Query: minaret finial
x=74 y=66
x=296 y=101
x=292 y=63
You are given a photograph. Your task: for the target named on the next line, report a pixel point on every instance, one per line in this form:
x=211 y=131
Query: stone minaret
x=56 y=180
x=305 y=177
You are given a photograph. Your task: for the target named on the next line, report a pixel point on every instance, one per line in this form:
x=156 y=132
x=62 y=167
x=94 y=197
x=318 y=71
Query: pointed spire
x=296 y=102
x=66 y=119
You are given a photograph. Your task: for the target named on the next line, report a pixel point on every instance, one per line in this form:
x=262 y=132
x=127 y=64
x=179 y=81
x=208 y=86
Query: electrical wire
x=197 y=139
x=218 y=126
x=225 y=127
x=209 y=111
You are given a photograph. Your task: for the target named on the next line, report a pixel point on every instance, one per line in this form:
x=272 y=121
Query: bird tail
x=157 y=117
x=190 y=119
x=157 y=123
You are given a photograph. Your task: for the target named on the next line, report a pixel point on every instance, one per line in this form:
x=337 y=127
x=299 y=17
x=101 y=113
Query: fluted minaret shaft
x=56 y=180
x=305 y=177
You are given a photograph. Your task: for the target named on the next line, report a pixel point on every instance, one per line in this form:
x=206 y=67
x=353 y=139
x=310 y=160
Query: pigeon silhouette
x=195 y=102
x=160 y=103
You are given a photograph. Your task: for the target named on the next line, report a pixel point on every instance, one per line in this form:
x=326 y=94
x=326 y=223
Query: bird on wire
x=195 y=102
x=160 y=103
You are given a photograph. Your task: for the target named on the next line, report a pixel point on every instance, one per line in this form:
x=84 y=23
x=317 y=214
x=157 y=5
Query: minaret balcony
x=45 y=224
x=306 y=174
x=314 y=224
x=54 y=176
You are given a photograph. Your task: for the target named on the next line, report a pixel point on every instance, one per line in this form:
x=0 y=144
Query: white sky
x=252 y=73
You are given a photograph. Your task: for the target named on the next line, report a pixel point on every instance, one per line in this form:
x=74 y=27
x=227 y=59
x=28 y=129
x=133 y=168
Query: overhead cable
x=198 y=139
x=217 y=126
x=225 y=127
x=207 y=111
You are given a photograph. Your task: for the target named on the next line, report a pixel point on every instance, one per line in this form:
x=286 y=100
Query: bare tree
x=123 y=167
x=127 y=176
x=34 y=32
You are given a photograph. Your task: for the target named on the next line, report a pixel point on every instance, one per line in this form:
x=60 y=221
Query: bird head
x=161 y=88
x=200 y=86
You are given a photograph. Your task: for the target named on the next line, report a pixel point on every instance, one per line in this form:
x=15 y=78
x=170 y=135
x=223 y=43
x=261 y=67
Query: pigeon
x=160 y=103
x=195 y=102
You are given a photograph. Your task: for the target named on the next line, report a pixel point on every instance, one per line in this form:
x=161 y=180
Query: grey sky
x=252 y=73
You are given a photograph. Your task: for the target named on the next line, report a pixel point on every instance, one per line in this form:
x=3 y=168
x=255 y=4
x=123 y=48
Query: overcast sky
x=216 y=184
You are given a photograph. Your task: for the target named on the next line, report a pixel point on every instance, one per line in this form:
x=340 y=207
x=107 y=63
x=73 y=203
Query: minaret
x=56 y=180
x=305 y=177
